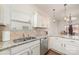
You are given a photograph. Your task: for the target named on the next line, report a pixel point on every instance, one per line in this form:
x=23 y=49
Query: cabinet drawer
x=71 y=50
x=35 y=49
x=17 y=49
x=24 y=52
x=72 y=42
x=5 y=52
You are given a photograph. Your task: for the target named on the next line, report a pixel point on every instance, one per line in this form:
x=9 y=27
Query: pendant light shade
x=65 y=8
x=54 y=15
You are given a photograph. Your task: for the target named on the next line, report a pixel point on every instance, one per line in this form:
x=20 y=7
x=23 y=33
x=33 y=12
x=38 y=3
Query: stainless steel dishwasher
x=43 y=45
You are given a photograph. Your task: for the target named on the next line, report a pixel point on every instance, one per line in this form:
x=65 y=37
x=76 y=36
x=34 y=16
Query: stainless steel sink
x=23 y=39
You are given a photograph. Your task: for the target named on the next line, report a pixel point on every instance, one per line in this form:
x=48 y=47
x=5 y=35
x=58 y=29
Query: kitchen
x=39 y=29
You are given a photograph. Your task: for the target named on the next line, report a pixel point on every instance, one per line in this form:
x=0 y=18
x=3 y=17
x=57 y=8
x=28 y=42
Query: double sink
x=23 y=39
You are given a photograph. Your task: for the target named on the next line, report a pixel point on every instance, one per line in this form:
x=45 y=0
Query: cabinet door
x=70 y=48
x=5 y=52
x=5 y=14
x=56 y=44
x=24 y=52
x=35 y=50
x=52 y=43
x=40 y=20
x=59 y=45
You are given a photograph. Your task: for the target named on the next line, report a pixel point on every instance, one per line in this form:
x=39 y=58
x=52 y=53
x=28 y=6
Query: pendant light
x=66 y=17
x=54 y=15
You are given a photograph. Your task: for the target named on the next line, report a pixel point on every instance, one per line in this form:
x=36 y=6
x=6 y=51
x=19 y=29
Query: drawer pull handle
x=64 y=45
x=71 y=41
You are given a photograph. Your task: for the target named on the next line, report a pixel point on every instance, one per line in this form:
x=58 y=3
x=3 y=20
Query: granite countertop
x=67 y=37
x=10 y=44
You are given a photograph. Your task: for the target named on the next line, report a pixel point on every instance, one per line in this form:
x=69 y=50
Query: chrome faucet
x=23 y=35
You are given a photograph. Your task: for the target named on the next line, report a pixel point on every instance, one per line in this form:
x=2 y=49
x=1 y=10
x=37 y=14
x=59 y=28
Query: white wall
x=53 y=28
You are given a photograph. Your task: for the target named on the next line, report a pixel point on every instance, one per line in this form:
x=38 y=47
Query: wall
x=53 y=28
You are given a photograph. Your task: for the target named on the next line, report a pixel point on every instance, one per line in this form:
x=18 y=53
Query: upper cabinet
x=40 y=20
x=21 y=18
x=4 y=14
x=21 y=21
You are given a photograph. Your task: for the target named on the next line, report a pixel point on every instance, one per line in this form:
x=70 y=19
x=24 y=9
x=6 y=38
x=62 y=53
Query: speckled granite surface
x=10 y=44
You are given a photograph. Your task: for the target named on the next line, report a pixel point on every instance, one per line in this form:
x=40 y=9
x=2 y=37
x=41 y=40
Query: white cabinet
x=56 y=44
x=24 y=52
x=32 y=48
x=21 y=21
x=20 y=16
x=64 y=45
x=40 y=20
x=71 y=47
x=5 y=52
x=51 y=42
x=35 y=50
x=5 y=14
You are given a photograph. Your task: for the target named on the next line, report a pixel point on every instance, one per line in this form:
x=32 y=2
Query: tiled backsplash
x=34 y=33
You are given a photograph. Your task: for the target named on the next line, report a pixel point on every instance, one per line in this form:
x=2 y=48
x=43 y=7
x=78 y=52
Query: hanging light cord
x=54 y=13
x=65 y=5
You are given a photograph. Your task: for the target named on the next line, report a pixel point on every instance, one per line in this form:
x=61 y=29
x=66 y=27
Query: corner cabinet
x=56 y=44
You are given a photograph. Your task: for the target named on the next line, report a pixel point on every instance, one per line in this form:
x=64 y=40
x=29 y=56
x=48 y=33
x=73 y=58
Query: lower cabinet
x=24 y=52
x=65 y=46
x=5 y=52
x=32 y=48
x=56 y=43
x=35 y=50
x=71 y=47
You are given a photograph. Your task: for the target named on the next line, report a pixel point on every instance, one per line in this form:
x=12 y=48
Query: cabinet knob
x=64 y=45
x=61 y=44
x=31 y=52
x=28 y=53
x=71 y=41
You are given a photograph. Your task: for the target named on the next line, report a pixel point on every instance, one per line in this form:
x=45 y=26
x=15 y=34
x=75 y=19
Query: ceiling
x=59 y=10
